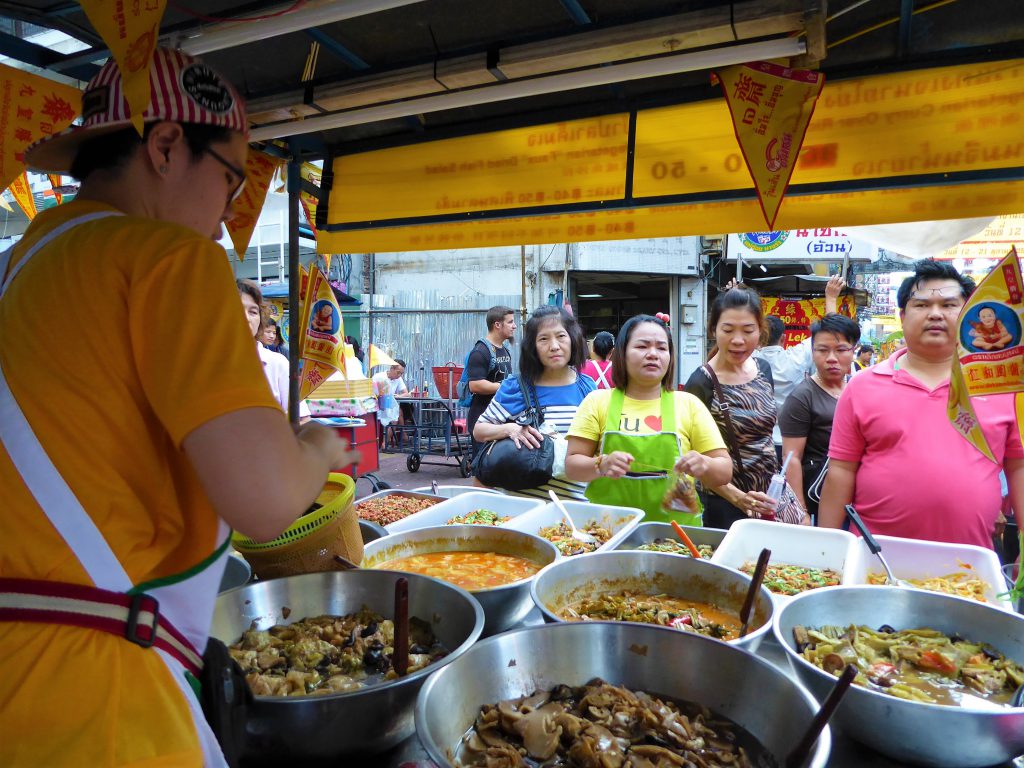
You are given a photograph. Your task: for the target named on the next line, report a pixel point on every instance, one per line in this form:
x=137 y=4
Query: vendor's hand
x=528 y=436
x=730 y=285
x=693 y=464
x=615 y=464
x=757 y=504
x=834 y=287
x=328 y=443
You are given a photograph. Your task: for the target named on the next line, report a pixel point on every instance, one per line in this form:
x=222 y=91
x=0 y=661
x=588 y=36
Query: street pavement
x=394 y=472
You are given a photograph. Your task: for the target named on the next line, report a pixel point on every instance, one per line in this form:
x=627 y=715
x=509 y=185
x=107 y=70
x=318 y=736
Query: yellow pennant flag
x=31 y=108
x=55 y=183
x=259 y=170
x=5 y=205
x=130 y=30
x=323 y=334
x=22 y=192
x=377 y=357
x=771 y=107
x=310 y=173
x=990 y=355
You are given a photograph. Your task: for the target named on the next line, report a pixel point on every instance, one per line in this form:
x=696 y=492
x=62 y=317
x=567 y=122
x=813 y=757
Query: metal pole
x=294 y=285
x=522 y=273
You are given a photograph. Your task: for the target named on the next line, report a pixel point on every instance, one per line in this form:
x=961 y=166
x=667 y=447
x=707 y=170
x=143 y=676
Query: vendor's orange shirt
x=119 y=339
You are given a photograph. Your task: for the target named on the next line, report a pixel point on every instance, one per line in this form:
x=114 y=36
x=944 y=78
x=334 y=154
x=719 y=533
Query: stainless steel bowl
x=645 y=533
x=749 y=691
x=922 y=734
x=503 y=606
x=653 y=573
x=373 y=719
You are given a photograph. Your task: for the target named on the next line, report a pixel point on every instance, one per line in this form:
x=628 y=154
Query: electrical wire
x=225 y=19
x=887 y=22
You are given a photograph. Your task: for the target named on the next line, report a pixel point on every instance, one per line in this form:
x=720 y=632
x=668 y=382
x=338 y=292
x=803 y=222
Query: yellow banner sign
x=31 y=108
x=1003 y=233
x=22 y=192
x=312 y=174
x=798 y=315
x=259 y=170
x=771 y=107
x=990 y=346
x=130 y=30
x=323 y=334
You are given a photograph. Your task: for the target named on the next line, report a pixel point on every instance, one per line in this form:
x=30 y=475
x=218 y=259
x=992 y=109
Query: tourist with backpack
x=488 y=363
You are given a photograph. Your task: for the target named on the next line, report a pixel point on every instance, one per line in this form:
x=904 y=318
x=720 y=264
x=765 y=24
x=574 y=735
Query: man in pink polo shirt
x=893 y=453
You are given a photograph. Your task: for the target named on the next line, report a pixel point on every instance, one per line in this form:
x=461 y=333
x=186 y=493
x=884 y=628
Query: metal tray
x=396 y=492
x=648 y=532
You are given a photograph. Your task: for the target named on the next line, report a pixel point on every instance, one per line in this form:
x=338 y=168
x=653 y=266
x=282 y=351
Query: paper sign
x=990 y=353
x=22 y=192
x=31 y=108
x=323 y=334
x=798 y=316
x=771 y=107
x=130 y=31
x=259 y=170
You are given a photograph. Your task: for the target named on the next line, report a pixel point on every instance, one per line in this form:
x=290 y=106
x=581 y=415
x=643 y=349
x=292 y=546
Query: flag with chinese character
x=310 y=173
x=771 y=107
x=31 y=108
x=990 y=354
x=259 y=170
x=798 y=314
x=323 y=334
x=22 y=192
x=55 y=184
x=130 y=31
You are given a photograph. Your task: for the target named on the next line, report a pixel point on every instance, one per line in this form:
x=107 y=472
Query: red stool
x=460 y=425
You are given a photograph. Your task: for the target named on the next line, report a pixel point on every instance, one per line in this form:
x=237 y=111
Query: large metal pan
x=503 y=606
x=652 y=573
x=367 y=721
x=922 y=734
x=749 y=691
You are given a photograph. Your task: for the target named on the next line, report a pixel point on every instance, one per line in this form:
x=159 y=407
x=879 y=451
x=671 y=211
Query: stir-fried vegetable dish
x=385 y=510
x=668 y=611
x=329 y=654
x=605 y=726
x=783 y=579
x=917 y=664
x=676 y=547
x=479 y=517
x=469 y=570
x=957 y=584
x=561 y=536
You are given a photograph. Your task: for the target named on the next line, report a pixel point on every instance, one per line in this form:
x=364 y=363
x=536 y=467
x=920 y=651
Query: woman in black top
x=806 y=417
x=746 y=384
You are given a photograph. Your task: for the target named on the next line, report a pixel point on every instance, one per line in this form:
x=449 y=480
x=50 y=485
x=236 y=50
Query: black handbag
x=501 y=464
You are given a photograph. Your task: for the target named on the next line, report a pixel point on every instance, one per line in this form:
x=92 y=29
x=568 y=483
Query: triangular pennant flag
x=55 y=183
x=259 y=170
x=37 y=108
x=771 y=107
x=22 y=192
x=130 y=31
x=310 y=173
x=323 y=347
x=5 y=205
x=990 y=353
x=377 y=357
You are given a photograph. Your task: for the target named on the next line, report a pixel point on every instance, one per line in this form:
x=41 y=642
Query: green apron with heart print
x=656 y=453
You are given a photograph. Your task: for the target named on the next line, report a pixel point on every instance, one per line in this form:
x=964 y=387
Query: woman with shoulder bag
x=806 y=417
x=553 y=351
x=738 y=390
x=625 y=441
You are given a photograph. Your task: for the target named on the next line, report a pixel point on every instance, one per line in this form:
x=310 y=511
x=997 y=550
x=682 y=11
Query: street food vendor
x=624 y=441
x=127 y=455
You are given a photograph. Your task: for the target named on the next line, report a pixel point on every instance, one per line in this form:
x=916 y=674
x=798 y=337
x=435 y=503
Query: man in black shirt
x=489 y=362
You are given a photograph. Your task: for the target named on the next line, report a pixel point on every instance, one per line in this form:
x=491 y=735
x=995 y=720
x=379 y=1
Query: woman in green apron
x=625 y=441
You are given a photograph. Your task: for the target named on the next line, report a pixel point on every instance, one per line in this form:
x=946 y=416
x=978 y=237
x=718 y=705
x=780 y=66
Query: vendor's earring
x=163 y=169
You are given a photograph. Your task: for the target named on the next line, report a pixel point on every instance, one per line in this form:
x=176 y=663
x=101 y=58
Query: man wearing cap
x=893 y=453
x=125 y=458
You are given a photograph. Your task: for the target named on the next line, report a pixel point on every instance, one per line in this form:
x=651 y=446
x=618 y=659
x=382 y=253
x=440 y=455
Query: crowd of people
x=873 y=434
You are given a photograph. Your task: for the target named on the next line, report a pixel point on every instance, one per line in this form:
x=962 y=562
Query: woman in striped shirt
x=552 y=352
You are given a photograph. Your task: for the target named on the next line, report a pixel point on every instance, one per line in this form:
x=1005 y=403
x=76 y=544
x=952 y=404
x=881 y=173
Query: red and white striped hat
x=183 y=90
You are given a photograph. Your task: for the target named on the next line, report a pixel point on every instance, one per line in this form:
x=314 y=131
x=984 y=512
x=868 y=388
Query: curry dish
x=921 y=665
x=329 y=654
x=605 y=725
x=469 y=570
x=675 y=612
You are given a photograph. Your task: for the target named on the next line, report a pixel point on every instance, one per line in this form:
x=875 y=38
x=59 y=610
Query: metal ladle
x=875 y=547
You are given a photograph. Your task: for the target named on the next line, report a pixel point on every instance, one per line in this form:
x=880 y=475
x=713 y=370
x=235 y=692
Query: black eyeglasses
x=239 y=172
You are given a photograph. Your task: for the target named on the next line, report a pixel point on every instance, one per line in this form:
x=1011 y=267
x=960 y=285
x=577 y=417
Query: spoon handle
x=868 y=538
x=798 y=756
x=755 y=587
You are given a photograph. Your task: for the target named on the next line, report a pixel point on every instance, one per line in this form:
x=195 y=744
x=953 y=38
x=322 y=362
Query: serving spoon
x=798 y=756
x=875 y=547
x=577 y=534
x=755 y=586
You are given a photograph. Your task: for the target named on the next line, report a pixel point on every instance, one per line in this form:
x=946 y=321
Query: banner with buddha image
x=798 y=314
x=322 y=340
x=990 y=354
